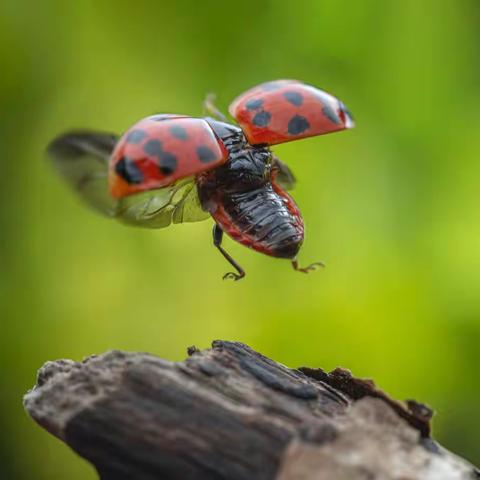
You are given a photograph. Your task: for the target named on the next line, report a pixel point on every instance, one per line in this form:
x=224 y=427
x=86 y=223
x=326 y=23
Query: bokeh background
x=392 y=207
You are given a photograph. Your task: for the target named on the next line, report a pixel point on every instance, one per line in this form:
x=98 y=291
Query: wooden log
x=231 y=413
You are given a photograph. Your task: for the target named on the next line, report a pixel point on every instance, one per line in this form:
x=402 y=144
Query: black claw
x=315 y=266
x=232 y=276
x=309 y=268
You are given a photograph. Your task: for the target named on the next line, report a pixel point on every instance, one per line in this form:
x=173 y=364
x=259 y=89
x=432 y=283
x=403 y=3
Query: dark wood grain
x=231 y=413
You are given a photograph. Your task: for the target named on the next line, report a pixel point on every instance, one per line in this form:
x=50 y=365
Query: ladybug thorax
x=247 y=168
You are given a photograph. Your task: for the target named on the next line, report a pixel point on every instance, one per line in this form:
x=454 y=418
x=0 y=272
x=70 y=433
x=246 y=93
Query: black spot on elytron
x=254 y=104
x=135 y=136
x=345 y=110
x=128 y=170
x=167 y=163
x=327 y=109
x=262 y=119
x=346 y=113
x=297 y=125
x=205 y=154
x=331 y=114
x=294 y=98
x=179 y=132
x=153 y=147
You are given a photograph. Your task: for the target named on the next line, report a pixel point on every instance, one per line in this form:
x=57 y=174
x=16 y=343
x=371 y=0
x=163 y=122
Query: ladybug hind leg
x=217 y=241
x=309 y=268
x=211 y=109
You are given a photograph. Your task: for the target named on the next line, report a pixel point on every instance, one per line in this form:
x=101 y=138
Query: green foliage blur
x=392 y=207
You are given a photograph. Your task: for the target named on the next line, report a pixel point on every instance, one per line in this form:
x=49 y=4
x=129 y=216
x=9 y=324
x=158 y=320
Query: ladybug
x=171 y=168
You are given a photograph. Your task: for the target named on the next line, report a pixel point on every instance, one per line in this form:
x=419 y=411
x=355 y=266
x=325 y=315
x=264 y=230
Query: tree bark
x=231 y=413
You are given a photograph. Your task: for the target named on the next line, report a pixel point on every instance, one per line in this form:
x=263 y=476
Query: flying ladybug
x=171 y=168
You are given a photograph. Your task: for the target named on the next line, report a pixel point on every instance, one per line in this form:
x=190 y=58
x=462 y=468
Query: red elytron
x=157 y=152
x=286 y=110
x=172 y=168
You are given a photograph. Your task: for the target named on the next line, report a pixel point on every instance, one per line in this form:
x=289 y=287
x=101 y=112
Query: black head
x=247 y=168
x=231 y=135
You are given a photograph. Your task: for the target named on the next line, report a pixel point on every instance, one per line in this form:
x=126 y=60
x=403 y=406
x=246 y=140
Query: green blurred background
x=392 y=207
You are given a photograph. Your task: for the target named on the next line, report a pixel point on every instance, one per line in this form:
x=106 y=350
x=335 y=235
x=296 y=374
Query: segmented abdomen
x=265 y=219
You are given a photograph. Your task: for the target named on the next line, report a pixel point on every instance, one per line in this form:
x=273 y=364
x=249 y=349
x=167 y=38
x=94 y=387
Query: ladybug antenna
x=211 y=109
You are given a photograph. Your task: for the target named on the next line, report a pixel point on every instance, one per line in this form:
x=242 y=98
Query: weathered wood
x=231 y=413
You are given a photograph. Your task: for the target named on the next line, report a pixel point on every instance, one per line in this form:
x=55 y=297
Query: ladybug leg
x=211 y=109
x=310 y=268
x=217 y=241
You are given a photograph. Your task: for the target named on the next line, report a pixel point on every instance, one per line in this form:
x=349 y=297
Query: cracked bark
x=231 y=413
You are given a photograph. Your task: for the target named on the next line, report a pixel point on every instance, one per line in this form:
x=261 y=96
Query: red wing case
x=161 y=149
x=286 y=110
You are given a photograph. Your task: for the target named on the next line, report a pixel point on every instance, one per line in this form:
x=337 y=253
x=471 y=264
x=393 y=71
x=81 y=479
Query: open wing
x=282 y=174
x=159 y=208
x=82 y=159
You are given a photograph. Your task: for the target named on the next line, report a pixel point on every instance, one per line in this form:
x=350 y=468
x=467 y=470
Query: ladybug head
x=248 y=168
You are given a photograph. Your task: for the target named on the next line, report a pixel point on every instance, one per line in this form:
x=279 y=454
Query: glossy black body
x=244 y=200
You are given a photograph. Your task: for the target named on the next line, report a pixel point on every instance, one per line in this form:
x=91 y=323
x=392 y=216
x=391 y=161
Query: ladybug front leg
x=217 y=241
x=211 y=109
x=310 y=268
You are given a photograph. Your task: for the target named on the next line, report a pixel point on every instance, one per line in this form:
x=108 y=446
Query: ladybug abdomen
x=265 y=219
